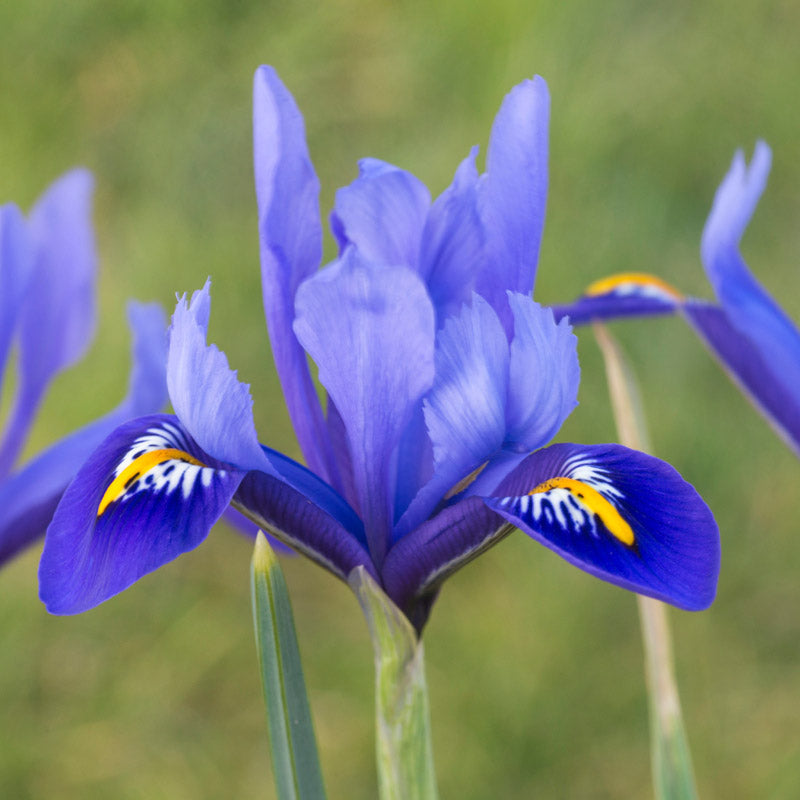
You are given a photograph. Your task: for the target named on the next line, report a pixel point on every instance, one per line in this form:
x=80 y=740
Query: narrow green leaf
x=291 y=732
x=402 y=716
x=673 y=777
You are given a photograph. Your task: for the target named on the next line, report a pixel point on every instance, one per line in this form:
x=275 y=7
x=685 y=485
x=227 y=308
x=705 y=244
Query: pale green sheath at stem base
x=673 y=777
x=402 y=715
x=291 y=734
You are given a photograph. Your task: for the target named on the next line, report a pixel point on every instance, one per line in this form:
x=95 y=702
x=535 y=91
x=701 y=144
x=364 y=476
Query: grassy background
x=534 y=668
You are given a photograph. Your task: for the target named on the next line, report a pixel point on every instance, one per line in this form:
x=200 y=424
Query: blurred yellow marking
x=606 y=285
x=596 y=503
x=137 y=469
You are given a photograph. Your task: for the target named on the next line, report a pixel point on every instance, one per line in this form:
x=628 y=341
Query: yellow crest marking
x=138 y=468
x=596 y=503
x=643 y=279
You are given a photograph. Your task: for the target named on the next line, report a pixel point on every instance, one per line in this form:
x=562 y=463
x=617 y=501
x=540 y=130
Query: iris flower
x=443 y=382
x=746 y=330
x=47 y=316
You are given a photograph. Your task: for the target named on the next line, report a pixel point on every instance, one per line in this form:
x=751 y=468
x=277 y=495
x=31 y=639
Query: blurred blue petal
x=626 y=294
x=750 y=368
x=16 y=263
x=57 y=317
x=749 y=307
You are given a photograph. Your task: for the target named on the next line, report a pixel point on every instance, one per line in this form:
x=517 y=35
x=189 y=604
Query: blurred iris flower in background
x=746 y=330
x=443 y=381
x=47 y=316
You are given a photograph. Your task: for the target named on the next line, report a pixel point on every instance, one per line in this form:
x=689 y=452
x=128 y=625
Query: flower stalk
x=402 y=714
x=673 y=777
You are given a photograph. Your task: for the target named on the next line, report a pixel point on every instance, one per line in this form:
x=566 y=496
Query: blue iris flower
x=444 y=381
x=47 y=317
x=746 y=330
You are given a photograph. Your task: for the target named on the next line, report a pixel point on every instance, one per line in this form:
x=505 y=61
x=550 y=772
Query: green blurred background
x=534 y=668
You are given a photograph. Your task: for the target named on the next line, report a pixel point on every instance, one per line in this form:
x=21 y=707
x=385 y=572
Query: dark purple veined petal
x=29 y=497
x=750 y=367
x=290 y=235
x=625 y=294
x=57 y=315
x=418 y=563
x=382 y=213
x=298 y=521
x=514 y=193
x=145 y=496
x=370 y=330
x=623 y=516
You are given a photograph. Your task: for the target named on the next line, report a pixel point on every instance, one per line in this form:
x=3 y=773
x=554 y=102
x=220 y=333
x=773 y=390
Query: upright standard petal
x=57 y=318
x=145 y=496
x=453 y=249
x=211 y=403
x=290 y=234
x=382 y=213
x=623 y=516
x=748 y=305
x=370 y=330
x=514 y=192
x=29 y=497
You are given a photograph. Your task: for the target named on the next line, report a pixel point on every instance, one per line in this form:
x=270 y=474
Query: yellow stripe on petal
x=633 y=282
x=140 y=467
x=595 y=503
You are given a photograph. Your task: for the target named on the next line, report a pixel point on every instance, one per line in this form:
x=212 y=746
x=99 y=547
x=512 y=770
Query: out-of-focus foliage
x=534 y=669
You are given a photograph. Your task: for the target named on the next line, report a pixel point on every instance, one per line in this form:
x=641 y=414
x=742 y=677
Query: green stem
x=402 y=715
x=673 y=777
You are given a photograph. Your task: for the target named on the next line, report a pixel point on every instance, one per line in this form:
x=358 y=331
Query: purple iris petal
x=514 y=193
x=466 y=407
x=290 y=233
x=215 y=408
x=748 y=305
x=370 y=330
x=145 y=496
x=295 y=519
x=382 y=213
x=29 y=496
x=57 y=318
x=750 y=368
x=620 y=515
x=543 y=375
x=612 y=306
x=16 y=261
x=418 y=562
x=453 y=243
